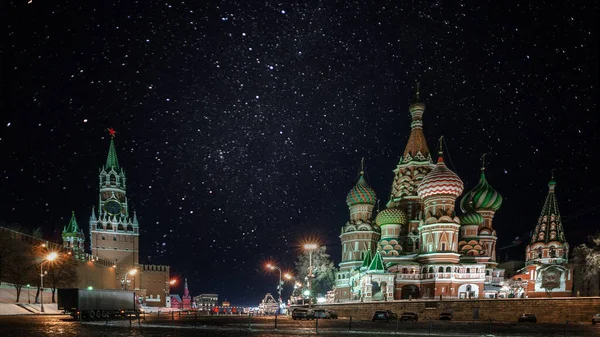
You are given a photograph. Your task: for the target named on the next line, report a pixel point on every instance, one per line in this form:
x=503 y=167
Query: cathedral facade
x=418 y=247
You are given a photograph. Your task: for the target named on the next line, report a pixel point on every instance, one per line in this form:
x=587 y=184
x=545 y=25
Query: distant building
x=205 y=302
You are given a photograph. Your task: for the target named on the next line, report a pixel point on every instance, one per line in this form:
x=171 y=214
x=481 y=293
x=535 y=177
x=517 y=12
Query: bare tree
x=19 y=265
x=61 y=273
x=588 y=255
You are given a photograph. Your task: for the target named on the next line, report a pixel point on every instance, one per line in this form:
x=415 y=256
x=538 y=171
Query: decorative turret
x=440 y=188
x=361 y=199
x=414 y=164
x=391 y=221
x=72 y=235
x=440 y=227
x=483 y=199
x=548 y=244
x=360 y=235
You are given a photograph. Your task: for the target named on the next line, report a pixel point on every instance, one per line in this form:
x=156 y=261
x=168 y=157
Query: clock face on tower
x=112 y=207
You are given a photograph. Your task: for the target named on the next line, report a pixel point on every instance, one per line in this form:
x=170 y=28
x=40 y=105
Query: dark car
x=332 y=314
x=409 y=316
x=322 y=313
x=381 y=315
x=445 y=316
x=301 y=313
x=527 y=318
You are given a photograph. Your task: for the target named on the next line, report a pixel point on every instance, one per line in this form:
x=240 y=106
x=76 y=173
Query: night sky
x=241 y=124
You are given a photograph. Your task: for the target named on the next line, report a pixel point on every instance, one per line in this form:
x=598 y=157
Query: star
x=112 y=132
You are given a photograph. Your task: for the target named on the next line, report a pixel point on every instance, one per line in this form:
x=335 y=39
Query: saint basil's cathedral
x=418 y=248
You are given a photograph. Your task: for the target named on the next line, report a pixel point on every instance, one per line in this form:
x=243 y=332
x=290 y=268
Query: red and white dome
x=440 y=181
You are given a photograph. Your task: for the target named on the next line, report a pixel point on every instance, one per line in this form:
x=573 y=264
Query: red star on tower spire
x=112 y=132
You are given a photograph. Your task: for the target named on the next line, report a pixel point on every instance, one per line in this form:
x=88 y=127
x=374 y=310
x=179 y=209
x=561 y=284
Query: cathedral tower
x=114 y=235
x=360 y=235
x=440 y=226
x=414 y=164
x=548 y=244
x=485 y=201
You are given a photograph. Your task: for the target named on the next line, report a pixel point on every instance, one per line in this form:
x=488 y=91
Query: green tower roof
x=72 y=227
x=111 y=159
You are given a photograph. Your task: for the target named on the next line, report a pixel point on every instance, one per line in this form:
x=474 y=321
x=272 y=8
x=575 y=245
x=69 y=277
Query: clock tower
x=114 y=234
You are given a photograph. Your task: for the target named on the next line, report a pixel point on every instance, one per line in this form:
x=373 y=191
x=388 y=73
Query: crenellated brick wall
x=547 y=310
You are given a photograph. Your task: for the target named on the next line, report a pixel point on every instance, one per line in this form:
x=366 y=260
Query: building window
x=440 y=269
x=103 y=238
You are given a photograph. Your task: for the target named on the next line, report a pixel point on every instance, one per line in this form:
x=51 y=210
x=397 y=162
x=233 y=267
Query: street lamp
x=273 y=267
x=50 y=257
x=168 y=285
x=310 y=247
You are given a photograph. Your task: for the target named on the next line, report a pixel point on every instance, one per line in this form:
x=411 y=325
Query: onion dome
x=361 y=193
x=440 y=181
x=471 y=218
x=482 y=196
x=389 y=216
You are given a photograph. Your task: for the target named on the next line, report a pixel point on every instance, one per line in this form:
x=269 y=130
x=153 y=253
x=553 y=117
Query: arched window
x=430 y=269
x=424 y=270
x=468 y=270
x=448 y=269
x=129 y=228
x=120 y=227
x=440 y=269
x=404 y=271
x=487 y=273
x=113 y=179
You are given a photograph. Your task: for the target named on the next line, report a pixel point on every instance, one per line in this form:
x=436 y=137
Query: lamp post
x=168 y=285
x=310 y=247
x=273 y=267
x=50 y=257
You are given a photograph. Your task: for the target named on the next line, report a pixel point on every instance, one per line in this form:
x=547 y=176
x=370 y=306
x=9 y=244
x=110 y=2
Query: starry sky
x=241 y=124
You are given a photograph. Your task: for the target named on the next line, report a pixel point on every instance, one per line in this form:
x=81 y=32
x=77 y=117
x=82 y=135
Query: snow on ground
x=9 y=306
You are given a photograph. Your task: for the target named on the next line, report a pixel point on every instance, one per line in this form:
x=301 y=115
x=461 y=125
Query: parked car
x=381 y=315
x=527 y=318
x=322 y=313
x=302 y=313
x=445 y=316
x=333 y=314
x=409 y=316
x=596 y=318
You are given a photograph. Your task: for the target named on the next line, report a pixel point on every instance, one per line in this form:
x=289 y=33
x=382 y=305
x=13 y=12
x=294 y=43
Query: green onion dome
x=391 y=216
x=471 y=218
x=361 y=193
x=481 y=197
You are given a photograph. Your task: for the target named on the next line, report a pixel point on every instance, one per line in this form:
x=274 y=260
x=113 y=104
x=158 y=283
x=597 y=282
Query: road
x=230 y=326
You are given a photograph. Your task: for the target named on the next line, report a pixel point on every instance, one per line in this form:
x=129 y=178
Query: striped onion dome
x=440 y=181
x=471 y=218
x=391 y=216
x=481 y=197
x=361 y=193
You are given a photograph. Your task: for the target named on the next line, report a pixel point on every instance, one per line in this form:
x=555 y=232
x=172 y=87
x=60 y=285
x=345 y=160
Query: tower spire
x=111 y=159
x=418 y=93
x=483 y=162
x=441 y=150
x=362 y=166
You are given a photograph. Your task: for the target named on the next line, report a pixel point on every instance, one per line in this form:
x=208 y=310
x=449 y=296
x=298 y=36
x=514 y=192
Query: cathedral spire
x=111 y=159
x=416 y=146
x=186 y=291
